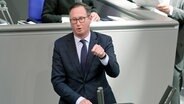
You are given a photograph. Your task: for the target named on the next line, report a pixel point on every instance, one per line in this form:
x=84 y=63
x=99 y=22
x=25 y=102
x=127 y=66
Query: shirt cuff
x=105 y=60
x=171 y=10
x=79 y=100
x=65 y=19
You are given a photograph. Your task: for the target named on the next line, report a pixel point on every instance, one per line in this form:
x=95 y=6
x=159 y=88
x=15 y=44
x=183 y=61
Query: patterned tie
x=83 y=55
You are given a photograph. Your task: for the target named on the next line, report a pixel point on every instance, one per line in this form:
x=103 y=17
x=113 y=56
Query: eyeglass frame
x=80 y=19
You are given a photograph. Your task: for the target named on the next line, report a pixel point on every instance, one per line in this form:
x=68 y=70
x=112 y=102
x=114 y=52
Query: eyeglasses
x=80 y=19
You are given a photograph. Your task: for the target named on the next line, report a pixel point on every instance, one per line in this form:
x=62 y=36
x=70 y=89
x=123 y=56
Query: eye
x=81 y=18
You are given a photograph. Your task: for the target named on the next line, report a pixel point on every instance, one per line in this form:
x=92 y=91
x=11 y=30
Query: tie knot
x=83 y=41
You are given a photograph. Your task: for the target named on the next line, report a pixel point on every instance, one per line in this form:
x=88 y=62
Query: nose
x=78 y=22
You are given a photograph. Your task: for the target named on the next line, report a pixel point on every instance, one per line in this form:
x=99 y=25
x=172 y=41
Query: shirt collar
x=77 y=39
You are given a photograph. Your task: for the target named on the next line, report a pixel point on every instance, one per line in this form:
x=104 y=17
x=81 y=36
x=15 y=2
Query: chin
x=79 y=34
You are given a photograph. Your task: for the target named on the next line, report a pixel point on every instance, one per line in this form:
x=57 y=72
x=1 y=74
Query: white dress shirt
x=79 y=47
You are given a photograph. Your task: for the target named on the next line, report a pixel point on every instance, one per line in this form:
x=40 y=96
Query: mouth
x=79 y=29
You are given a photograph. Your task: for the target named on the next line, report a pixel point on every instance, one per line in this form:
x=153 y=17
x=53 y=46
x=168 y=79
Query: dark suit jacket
x=67 y=78
x=54 y=9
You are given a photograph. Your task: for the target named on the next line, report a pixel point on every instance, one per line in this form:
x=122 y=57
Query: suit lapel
x=74 y=57
x=73 y=53
x=90 y=57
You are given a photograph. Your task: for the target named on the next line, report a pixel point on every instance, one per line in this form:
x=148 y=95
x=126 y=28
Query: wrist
x=103 y=57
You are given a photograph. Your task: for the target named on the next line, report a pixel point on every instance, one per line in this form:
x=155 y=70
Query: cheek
x=87 y=25
x=74 y=26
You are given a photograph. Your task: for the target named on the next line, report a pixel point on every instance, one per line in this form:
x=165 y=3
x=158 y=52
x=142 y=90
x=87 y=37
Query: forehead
x=78 y=11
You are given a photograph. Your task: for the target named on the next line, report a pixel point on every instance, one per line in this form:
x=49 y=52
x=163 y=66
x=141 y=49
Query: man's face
x=80 y=21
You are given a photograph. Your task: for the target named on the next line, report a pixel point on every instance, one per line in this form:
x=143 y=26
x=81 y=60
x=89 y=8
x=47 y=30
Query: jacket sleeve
x=178 y=12
x=53 y=9
x=112 y=68
x=48 y=12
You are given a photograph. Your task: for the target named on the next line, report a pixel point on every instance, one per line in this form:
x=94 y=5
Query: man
x=75 y=80
x=176 y=11
x=55 y=10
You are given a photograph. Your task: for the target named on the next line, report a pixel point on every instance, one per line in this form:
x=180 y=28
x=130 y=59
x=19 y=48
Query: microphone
x=100 y=95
